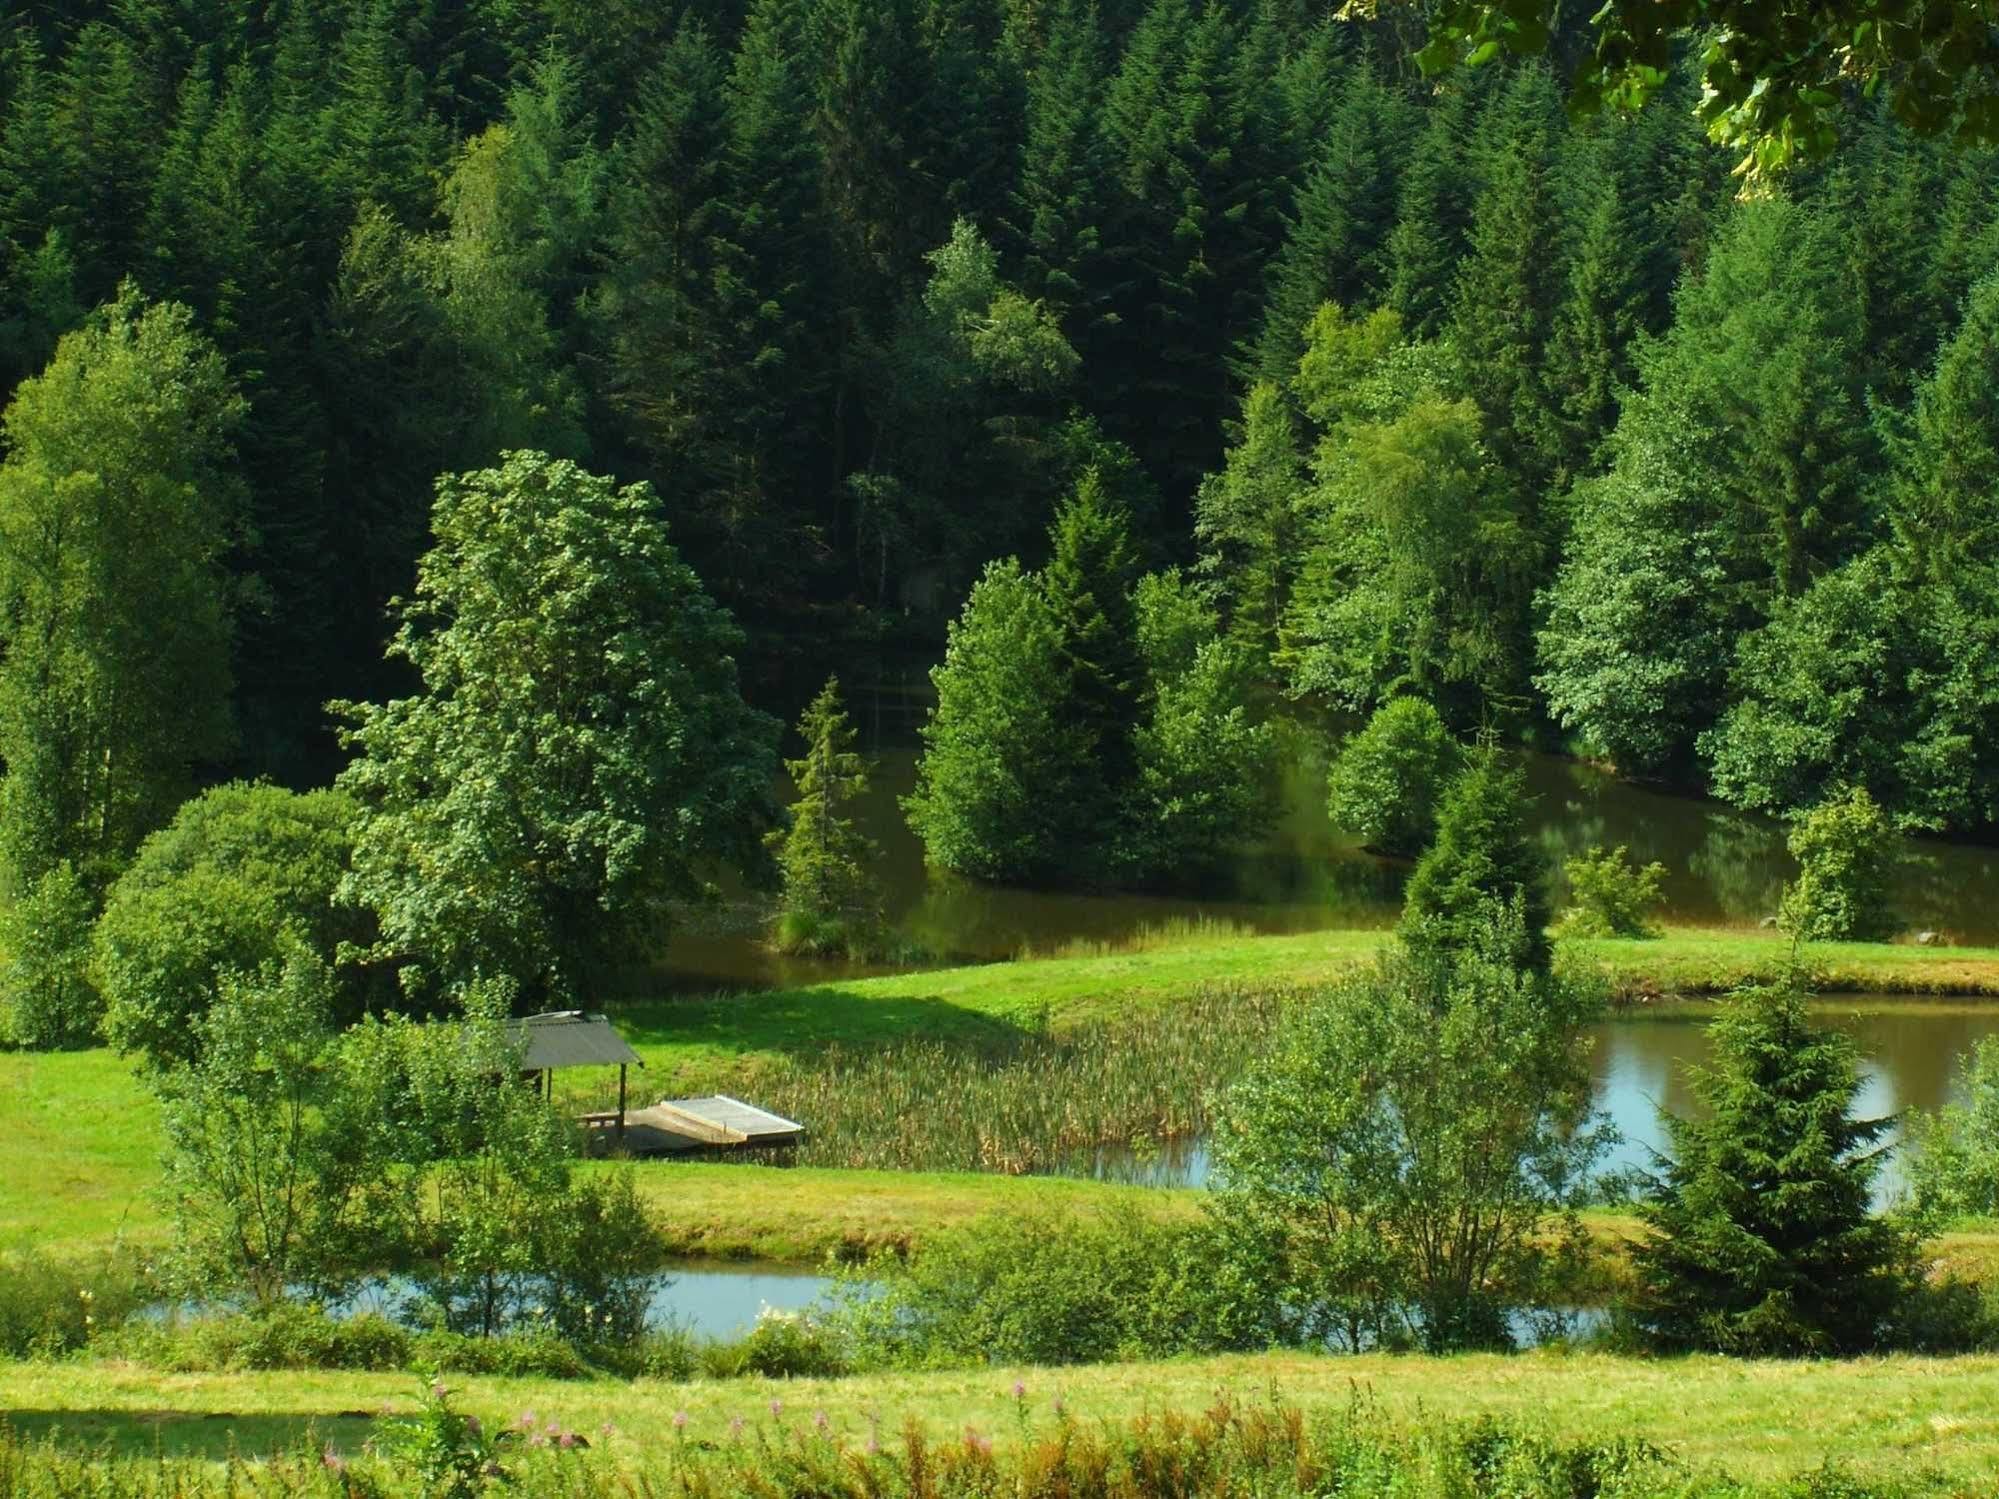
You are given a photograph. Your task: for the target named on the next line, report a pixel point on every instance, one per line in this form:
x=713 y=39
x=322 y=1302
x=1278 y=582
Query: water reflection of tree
x=1743 y=864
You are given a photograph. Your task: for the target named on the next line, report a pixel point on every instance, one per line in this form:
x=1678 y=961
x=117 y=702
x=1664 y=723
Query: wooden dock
x=675 y=1126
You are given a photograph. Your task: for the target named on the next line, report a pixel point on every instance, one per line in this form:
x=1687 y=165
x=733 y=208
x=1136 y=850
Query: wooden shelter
x=570 y=1038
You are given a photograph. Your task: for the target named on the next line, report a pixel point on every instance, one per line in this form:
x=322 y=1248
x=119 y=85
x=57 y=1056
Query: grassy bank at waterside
x=82 y=1133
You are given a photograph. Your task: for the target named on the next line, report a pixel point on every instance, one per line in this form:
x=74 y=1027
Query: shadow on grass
x=207 y=1435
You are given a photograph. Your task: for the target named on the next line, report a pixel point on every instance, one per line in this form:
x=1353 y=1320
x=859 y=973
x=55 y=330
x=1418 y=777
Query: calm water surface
x=1910 y=1051
x=1723 y=867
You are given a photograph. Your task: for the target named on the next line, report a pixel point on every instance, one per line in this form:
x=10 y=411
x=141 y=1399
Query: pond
x=711 y=1298
x=1910 y=1051
x=1723 y=867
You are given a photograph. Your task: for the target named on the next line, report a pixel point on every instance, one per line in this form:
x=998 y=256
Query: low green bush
x=49 y=1308
x=1610 y=896
x=288 y=1335
x=1057 y=1290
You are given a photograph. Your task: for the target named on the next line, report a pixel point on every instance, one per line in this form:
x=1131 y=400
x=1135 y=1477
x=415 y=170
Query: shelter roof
x=570 y=1038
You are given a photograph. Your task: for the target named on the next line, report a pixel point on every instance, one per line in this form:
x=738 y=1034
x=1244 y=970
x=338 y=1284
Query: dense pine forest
x=1411 y=384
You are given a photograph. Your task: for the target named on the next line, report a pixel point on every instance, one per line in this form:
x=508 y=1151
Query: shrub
x=1055 y=1290
x=1385 y=784
x=49 y=1307
x=243 y=874
x=1846 y=856
x=288 y=1335
x=47 y=997
x=1611 y=896
x=1955 y=1153
x=1416 y=1142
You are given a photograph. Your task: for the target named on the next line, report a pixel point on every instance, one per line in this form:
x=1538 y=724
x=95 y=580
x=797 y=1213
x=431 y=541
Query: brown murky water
x=1723 y=867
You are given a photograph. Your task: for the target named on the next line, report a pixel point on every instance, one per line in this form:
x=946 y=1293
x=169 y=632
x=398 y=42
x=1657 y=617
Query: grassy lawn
x=81 y=1131
x=1760 y=1420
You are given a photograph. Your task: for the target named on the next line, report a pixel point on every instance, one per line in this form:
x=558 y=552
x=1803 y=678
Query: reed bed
x=1034 y=1101
x=1044 y=1102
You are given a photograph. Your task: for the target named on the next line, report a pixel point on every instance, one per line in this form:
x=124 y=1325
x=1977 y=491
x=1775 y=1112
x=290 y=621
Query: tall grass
x=1037 y=1101
x=1263 y=1448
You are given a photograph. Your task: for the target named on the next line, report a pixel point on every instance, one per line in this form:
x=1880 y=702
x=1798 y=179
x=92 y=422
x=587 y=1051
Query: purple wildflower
x=680 y=1420
x=566 y=1441
x=1020 y=1389
x=776 y=1409
x=819 y=1419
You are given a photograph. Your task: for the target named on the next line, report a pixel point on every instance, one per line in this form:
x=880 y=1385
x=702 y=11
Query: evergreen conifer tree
x=1433 y=203
x=831 y=902
x=1763 y=1241
x=1481 y=861
x=1088 y=582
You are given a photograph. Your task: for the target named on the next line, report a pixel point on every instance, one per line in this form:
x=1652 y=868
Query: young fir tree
x=830 y=901
x=1245 y=519
x=1088 y=583
x=1481 y=860
x=1436 y=191
x=1763 y=1243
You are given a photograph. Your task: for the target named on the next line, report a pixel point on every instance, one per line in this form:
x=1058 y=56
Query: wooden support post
x=621 y=1102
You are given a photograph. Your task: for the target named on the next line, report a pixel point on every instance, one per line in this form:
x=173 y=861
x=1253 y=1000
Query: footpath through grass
x=1760 y=1420
x=81 y=1134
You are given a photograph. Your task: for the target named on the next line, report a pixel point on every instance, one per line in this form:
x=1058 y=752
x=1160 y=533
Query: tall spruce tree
x=1335 y=244
x=1763 y=1240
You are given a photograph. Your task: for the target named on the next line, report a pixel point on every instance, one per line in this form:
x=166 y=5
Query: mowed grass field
x=1758 y=1420
x=81 y=1133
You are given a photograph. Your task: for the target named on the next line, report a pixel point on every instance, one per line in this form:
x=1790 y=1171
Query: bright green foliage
x=1206 y=770
x=1775 y=77
x=1481 y=861
x=1417 y=1142
x=117 y=504
x=249 y=1141
x=47 y=994
x=1000 y=759
x=1954 y=1155
x=1418 y=563
x=1384 y=785
x=1246 y=519
x=1876 y=677
x=448 y=1164
x=244 y=876
x=1846 y=857
x=830 y=900
x=1736 y=477
x=579 y=755
x=1763 y=1242
x=1609 y=896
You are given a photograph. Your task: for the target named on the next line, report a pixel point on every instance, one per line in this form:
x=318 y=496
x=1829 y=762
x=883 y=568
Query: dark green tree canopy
x=1764 y=1242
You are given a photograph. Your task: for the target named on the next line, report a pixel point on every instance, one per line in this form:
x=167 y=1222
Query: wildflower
x=526 y=1422
x=86 y=1294
x=1057 y=1405
x=554 y=1426
x=776 y=1409
x=736 y=1428
x=332 y=1461
x=680 y=1420
x=609 y=1430
x=1020 y=1389
x=566 y=1441
x=437 y=1390
x=472 y=1427
x=874 y=1445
